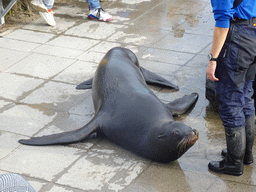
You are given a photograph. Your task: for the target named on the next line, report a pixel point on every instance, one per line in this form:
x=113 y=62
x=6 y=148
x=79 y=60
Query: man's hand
x=211 y=70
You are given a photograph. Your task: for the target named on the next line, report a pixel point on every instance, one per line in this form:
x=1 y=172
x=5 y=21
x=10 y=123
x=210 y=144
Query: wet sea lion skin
x=128 y=113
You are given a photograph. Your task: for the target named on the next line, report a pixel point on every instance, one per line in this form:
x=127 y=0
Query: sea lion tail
x=62 y=138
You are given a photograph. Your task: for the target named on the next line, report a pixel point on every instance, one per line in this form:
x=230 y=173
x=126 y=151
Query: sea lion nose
x=195 y=132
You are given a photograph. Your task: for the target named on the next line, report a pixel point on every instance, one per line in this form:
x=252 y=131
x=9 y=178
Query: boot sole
x=110 y=19
x=225 y=171
x=248 y=163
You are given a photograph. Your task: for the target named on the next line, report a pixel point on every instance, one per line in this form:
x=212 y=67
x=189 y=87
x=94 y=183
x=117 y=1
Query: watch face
x=209 y=56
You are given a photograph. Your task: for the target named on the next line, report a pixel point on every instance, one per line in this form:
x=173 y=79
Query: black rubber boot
x=249 y=134
x=232 y=164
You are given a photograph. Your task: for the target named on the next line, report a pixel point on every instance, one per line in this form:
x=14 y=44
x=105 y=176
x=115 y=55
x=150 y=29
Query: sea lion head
x=172 y=140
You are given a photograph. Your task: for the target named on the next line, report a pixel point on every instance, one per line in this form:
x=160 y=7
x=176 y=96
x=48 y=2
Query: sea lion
x=129 y=113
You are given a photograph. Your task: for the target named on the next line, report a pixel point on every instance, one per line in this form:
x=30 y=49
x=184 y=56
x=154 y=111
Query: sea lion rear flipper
x=182 y=105
x=65 y=137
x=85 y=85
x=154 y=79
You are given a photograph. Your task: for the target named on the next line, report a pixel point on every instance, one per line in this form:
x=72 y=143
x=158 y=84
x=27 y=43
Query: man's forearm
x=219 y=37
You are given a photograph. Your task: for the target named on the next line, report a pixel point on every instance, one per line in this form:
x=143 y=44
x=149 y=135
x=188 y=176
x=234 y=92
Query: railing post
x=1 y=12
x=4 y=11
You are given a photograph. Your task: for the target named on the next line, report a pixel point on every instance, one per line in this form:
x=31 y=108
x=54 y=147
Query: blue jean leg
x=93 y=4
x=49 y=3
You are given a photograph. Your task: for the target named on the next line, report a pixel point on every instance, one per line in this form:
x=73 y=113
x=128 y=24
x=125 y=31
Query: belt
x=243 y=21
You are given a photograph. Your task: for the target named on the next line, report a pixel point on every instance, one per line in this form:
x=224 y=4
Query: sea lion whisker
x=184 y=144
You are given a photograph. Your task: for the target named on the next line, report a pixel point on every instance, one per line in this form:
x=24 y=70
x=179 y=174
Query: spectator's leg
x=48 y=16
x=93 y=4
x=96 y=12
x=49 y=4
x=39 y=5
x=14 y=182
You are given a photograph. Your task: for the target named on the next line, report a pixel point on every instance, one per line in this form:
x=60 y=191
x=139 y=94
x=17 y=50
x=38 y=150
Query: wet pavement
x=41 y=65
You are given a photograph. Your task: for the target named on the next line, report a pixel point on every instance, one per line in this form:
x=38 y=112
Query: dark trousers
x=236 y=67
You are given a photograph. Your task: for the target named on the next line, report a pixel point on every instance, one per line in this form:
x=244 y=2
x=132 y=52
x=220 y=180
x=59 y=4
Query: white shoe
x=39 y=5
x=48 y=17
x=100 y=14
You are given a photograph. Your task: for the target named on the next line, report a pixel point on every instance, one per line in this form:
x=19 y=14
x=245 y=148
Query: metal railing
x=4 y=11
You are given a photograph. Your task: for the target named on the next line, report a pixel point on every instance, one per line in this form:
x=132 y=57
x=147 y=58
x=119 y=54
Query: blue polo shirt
x=223 y=12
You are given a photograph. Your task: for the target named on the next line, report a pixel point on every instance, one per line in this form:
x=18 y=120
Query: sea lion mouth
x=187 y=142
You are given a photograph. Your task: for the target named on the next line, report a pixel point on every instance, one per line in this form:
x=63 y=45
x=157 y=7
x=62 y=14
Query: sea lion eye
x=175 y=133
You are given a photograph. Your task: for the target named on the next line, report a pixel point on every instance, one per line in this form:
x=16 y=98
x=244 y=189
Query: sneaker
x=100 y=14
x=48 y=17
x=39 y=5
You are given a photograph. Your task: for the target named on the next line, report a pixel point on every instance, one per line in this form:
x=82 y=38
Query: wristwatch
x=211 y=58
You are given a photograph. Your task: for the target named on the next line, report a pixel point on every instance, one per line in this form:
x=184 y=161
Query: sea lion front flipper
x=182 y=105
x=85 y=85
x=65 y=137
x=154 y=79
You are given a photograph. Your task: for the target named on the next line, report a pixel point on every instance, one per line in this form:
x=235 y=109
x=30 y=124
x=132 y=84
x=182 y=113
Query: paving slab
x=58 y=51
x=154 y=65
x=137 y=35
x=92 y=56
x=38 y=158
x=104 y=46
x=15 y=87
x=68 y=122
x=41 y=65
x=56 y=96
x=230 y=186
x=23 y=46
x=7 y=56
x=41 y=26
x=73 y=42
x=78 y=72
x=104 y=167
x=30 y=36
x=163 y=19
x=4 y=103
x=84 y=107
x=8 y=143
x=158 y=178
x=166 y=56
x=94 y=30
x=201 y=23
x=131 y=10
x=57 y=188
x=19 y=120
x=184 y=42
